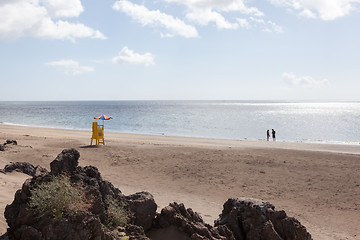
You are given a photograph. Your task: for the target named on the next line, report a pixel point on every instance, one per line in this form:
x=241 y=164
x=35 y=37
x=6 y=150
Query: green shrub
x=58 y=197
x=117 y=215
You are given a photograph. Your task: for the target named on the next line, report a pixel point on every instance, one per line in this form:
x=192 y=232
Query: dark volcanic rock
x=66 y=161
x=252 y=219
x=26 y=168
x=3 y=146
x=13 y=142
x=25 y=223
x=177 y=222
x=144 y=207
x=4 y=237
x=135 y=232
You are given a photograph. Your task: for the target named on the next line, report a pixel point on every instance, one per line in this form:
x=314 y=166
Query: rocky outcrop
x=66 y=161
x=26 y=168
x=25 y=223
x=13 y=142
x=144 y=208
x=252 y=219
x=8 y=142
x=135 y=232
x=4 y=237
x=177 y=222
x=240 y=219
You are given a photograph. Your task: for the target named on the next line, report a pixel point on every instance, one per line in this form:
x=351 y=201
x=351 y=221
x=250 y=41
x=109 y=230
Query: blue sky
x=180 y=49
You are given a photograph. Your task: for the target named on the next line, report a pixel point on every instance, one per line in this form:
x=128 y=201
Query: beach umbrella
x=103 y=117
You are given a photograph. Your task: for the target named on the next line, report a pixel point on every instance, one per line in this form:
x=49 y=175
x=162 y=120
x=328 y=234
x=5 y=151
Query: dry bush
x=117 y=215
x=59 y=197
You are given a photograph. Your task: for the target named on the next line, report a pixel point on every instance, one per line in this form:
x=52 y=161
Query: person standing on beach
x=267 y=134
x=273 y=134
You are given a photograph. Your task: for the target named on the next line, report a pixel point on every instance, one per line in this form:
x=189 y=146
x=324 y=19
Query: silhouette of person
x=273 y=134
x=267 y=135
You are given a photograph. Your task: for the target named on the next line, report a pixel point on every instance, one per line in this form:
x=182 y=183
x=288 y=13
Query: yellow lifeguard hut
x=97 y=134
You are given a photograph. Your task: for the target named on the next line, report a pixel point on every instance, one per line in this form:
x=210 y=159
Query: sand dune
x=318 y=184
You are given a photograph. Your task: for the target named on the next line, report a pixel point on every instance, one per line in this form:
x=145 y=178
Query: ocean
x=315 y=122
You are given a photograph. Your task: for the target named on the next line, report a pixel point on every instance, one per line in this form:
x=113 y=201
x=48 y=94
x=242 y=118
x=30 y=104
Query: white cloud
x=266 y=26
x=63 y=8
x=303 y=81
x=166 y=35
x=244 y=23
x=273 y=27
x=224 y=5
x=71 y=67
x=65 y=30
x=21 y=18
x=128 y=56
x=156 y=18
x=204 y=16
x=324 y=9
x=307 y=13
x=201 y=12
x=204 y=12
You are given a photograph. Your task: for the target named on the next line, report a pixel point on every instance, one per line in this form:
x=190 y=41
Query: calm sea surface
x=331 y=122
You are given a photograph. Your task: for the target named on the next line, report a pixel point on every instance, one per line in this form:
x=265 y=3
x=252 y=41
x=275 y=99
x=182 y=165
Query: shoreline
x=311 y=146
x=346 y=143
x=318 y=184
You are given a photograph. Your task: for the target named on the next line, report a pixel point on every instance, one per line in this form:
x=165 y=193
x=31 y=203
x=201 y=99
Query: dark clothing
x=273 y=133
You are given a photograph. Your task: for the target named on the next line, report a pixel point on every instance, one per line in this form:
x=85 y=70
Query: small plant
x=124 y=237
x=58 y=197
x=116 y=212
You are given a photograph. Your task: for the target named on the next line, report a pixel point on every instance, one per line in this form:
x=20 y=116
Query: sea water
x=322 y=122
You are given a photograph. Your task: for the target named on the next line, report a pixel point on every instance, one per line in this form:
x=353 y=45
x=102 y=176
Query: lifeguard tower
x=97 y=134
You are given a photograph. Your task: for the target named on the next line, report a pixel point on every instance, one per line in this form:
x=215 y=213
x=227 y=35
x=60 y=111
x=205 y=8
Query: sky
x=180 y=50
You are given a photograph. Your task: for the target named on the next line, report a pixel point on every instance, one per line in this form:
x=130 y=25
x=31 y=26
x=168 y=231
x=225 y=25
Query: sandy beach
x=319 y=184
